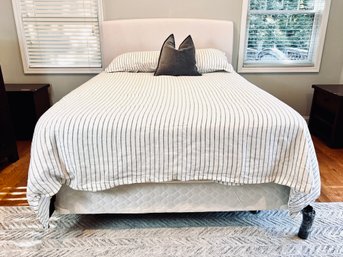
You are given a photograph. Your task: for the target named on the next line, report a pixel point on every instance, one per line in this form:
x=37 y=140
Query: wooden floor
x=14 y=176
x=331 y=172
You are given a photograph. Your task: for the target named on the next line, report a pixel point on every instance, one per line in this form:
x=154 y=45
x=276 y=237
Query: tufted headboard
x=120 y=36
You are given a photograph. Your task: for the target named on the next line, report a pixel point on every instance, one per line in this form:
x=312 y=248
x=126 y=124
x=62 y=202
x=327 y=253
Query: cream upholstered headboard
x=120 y=36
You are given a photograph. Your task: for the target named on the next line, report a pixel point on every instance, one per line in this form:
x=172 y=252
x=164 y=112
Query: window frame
x=281 y=68
x=52 y=70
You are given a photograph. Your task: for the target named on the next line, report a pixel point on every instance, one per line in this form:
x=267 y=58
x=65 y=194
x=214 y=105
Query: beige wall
x=341 y=80
x=294 y=89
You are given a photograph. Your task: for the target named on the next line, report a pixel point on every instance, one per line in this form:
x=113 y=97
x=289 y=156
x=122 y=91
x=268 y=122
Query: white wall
x=294 y=89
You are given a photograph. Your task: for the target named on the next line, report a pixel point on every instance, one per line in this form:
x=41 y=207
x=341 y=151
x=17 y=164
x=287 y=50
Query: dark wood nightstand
x=326 y=118
x=8 y=147
x=27 y=103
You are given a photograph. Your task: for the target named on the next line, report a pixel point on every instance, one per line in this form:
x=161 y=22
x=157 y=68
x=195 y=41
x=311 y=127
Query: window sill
x=295 y=69
x=62 y=70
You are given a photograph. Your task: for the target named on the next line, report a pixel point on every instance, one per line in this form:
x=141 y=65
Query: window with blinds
x=59 y=36
x=282 y=35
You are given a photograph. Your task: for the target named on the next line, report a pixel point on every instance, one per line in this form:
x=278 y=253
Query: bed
x=128 y=142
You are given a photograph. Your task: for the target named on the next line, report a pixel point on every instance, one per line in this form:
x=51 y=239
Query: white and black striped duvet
x=123 y=128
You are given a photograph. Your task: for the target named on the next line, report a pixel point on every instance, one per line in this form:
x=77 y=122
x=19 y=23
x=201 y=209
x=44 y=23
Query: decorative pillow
x=211 y=60
x=177 y=62
x=135 y=62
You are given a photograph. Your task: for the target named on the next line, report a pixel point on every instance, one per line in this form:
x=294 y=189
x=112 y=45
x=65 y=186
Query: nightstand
x=8 y=147
x=326 y=118
x=27 y=103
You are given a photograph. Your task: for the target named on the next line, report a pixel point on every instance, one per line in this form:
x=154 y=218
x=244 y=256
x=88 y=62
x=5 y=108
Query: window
x=282 y=35
x=59 y=36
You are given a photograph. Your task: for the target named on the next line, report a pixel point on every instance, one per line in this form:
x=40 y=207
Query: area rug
x=268 y=233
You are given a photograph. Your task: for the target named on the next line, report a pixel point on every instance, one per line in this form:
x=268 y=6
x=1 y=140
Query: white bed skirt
x=173 y=197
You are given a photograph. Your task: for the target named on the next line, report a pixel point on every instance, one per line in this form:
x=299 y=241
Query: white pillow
x=207 y=60
x=135 y=62
x=211 y=60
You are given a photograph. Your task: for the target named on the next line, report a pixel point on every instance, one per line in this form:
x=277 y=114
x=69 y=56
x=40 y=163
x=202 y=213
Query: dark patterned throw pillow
x=177 y=62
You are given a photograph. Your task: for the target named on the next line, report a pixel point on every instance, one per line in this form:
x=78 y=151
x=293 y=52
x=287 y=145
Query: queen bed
x=132 y=142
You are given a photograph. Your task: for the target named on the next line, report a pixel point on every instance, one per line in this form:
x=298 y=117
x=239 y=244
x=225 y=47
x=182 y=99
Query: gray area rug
x=269 y=233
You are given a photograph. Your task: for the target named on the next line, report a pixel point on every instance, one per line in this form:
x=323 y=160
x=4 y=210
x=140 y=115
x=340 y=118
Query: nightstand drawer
x=326 y=100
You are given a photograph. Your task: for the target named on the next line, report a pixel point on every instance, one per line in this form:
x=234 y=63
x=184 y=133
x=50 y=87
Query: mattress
x=173 y=197
x=127 y=128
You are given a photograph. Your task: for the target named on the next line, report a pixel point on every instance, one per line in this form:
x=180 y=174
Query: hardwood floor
x=14 y=176
x=331 y=172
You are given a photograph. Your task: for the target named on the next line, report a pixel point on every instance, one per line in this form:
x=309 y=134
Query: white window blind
x=282 y=35
x=59 y=36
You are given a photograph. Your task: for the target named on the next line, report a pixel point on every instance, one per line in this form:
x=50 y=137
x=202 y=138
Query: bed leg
x=308 y=217
x=52 y=205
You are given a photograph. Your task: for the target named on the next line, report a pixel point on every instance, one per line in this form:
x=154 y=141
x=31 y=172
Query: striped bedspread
x=124 y=128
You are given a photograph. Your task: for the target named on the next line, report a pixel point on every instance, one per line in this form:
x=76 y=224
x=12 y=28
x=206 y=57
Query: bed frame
x=122 y=36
